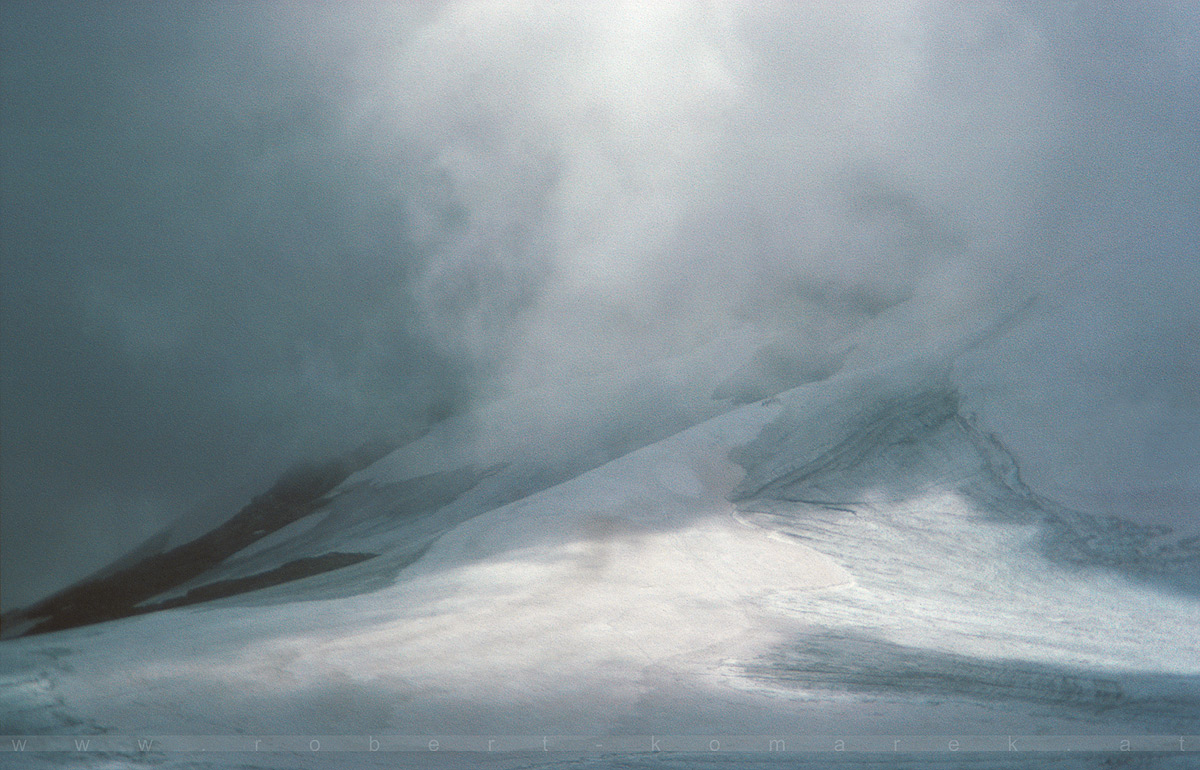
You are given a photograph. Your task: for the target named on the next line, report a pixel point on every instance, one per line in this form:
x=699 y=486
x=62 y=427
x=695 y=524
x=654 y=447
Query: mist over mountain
x=238 y=236
x=508 y=384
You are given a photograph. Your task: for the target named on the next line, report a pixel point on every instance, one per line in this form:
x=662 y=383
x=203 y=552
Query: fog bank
x=239 y=235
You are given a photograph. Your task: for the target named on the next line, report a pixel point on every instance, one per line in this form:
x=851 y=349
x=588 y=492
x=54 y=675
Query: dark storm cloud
x=240 y=234
x=204 y=281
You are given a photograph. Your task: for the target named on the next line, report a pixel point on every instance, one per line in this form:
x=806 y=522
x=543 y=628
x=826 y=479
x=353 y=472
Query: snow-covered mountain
x=741 y=555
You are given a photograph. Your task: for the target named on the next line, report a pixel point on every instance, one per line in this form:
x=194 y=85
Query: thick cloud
x=621 y=157
x=238 y=235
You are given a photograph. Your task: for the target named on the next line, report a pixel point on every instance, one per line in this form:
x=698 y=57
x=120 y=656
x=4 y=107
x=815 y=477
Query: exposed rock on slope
x=300 y=492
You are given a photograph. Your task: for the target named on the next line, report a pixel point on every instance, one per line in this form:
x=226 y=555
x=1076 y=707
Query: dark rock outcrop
x=298 y=493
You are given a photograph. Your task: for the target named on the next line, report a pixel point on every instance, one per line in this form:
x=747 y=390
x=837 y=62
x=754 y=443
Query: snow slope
x=628 y=557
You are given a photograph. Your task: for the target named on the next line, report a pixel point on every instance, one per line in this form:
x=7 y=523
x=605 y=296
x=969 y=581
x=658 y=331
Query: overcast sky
x=236 y=235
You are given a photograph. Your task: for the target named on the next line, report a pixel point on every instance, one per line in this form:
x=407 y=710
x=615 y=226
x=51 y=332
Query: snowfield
x=602 y=569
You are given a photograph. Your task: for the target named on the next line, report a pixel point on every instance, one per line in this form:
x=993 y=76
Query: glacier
x=728 y=558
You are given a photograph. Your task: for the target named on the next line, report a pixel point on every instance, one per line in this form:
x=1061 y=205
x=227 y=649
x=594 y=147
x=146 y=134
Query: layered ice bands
x=973 y=588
